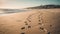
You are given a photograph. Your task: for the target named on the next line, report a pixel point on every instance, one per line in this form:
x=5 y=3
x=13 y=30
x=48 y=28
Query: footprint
x=41 y=28
x=23 y=28
x=22 y=33
x=26 y=23
x=29 y=26
x=48 y=33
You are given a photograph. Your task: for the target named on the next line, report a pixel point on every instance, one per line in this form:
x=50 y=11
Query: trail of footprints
x=34 y=21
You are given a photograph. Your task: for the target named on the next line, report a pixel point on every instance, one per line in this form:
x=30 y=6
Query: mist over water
x=8 y=11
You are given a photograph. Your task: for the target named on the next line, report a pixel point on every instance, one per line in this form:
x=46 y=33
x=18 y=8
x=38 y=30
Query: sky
x=18 y=4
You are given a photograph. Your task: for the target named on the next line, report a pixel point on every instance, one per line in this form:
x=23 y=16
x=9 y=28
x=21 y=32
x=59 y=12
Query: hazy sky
x=25 y=3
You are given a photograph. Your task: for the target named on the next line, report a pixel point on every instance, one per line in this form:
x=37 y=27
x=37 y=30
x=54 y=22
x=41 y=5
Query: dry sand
x=39 y=21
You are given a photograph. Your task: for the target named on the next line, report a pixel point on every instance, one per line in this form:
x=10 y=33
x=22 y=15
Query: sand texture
x=39 y=21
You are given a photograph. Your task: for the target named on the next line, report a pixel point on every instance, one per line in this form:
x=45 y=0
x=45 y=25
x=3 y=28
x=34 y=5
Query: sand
x=38 y=21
